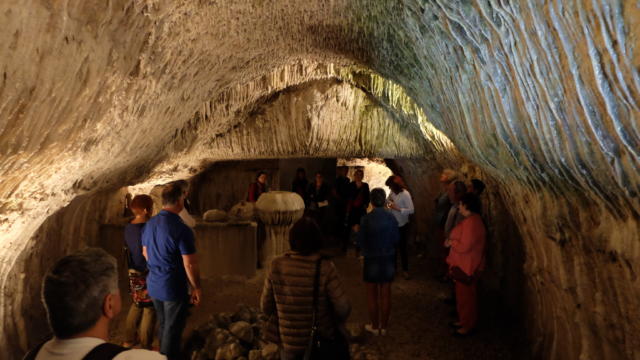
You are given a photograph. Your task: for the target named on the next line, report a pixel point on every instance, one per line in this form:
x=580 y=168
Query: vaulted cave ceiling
x=544 y=96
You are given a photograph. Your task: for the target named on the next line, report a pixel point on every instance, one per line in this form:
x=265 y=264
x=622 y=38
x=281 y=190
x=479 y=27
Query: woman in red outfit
x=467 y=241
x=258 y=187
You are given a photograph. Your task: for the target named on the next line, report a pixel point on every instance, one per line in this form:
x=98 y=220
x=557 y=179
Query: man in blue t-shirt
x=168 y=245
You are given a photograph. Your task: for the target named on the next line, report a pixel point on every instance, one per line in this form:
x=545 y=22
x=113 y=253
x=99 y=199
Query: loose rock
x=242 y=211
x=215 y=215
x=255 y=355
x=270 y=352
x=242 y=330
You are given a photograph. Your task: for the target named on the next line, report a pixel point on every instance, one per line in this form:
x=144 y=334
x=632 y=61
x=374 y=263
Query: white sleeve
x=187 y=218
x=139 y=354
x=407 y=206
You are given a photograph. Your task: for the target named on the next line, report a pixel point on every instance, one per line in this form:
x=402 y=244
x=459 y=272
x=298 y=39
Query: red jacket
x=467 y=244
x=255 y=190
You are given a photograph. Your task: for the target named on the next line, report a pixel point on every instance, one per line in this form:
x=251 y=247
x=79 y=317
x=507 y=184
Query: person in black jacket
x=358 y=201
x=300 y=184
x=318 y=194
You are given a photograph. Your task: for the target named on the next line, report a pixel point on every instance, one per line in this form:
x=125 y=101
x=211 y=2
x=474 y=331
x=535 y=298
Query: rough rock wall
x=73 y=227
x=542 y=95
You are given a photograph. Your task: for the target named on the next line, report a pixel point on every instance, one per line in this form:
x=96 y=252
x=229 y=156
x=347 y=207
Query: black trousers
x=402 y=246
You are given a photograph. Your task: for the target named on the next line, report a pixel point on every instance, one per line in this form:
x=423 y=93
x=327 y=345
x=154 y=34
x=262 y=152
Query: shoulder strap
x=128 y=256
x=316 y=291
x=31 y=355
x=104 y=351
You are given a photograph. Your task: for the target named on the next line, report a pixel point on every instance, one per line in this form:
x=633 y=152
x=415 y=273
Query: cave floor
x=418 y=326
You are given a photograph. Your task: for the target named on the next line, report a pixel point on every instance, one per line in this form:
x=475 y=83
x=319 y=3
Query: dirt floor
x=419 y=319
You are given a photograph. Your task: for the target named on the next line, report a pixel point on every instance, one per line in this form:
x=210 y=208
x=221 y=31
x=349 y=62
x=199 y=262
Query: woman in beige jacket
x=287 y=297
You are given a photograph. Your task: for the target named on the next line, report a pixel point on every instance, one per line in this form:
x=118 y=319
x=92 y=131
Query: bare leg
x=131 y=327
x=372 y=302
x=385 y=304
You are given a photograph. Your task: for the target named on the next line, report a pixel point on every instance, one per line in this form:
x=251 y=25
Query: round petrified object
x=215 y=215
x=242 y=211
x=278 y=210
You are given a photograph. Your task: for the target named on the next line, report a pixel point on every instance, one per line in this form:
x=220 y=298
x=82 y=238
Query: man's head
x=301 y=174
x=378 y=197
x=319 y=178
x=456 y=190
x=342 y=170
x=142 y=205
x=305 y=236
x=79 y=290
x=184 y=185
x=173 y=195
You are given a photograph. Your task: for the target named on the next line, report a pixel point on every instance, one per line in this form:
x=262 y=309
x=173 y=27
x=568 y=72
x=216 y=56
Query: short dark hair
x=142 y=202
x=378 y=197
x=171 y=193
x=459 y=188
x=74 y=289
x=260 y=173
x=393 y=185
x=305 y=236
x=478 y=186
x=471 y=202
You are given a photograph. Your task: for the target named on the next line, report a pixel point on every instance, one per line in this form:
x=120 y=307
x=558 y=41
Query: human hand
x=196 y=295
x=447 y=243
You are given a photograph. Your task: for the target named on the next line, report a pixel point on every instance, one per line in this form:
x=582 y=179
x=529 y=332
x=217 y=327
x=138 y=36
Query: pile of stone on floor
x=237 y=336
x=232 y=336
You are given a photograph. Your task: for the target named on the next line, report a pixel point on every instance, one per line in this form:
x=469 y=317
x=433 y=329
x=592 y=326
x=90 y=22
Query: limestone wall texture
x=543 y=96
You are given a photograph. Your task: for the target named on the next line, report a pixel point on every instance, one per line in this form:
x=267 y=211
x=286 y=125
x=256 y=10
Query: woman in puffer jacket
x=287 y=296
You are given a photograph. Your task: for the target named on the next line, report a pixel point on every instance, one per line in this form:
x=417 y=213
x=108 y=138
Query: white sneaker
x=370 y=328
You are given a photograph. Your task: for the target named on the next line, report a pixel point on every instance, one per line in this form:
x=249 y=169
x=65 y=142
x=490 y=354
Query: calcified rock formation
x=278 y=210
x=542 y=95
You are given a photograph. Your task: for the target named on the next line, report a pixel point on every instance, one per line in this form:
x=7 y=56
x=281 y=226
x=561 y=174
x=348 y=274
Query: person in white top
x=400 y=204
x=81 y=296
x=187 y=219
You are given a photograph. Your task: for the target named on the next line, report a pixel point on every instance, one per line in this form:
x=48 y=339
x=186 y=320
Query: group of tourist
x=462 y=233
x=302 y=296
x=81 y=294
x=382 y=234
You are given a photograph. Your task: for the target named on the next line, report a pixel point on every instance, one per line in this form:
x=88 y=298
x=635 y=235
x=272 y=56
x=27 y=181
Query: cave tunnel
x=539 y=99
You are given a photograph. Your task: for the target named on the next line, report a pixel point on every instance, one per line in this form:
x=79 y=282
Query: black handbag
x=320 y=347
x=458 y=275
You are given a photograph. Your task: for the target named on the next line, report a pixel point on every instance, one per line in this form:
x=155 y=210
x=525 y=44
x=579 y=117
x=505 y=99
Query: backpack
x=104 y=351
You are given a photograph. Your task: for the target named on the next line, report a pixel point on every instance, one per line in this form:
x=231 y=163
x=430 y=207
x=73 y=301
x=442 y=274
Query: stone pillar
x=278 y=210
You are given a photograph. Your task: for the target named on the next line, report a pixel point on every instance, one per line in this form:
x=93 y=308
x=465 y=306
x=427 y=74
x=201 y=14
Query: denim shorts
x=379 y=269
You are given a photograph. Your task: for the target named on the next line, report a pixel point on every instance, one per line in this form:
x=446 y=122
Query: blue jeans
x=172 y=318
